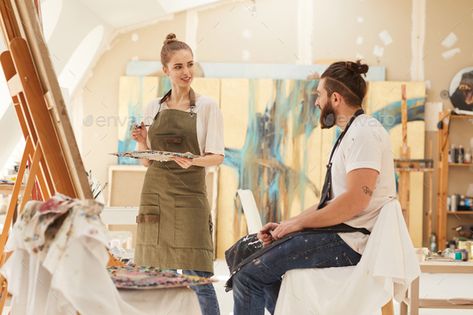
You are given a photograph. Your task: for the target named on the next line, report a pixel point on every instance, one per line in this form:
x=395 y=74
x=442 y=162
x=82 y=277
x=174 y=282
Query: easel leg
x=414 y=305
x=15 y=194
x=403 y=305
x=388 y=308
x=38 y=154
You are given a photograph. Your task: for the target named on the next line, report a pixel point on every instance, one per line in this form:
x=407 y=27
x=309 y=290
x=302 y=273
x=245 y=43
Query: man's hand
x=286 y=227
x=265 y=233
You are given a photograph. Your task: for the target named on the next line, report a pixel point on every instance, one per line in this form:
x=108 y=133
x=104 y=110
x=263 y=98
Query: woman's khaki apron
x=174 y=224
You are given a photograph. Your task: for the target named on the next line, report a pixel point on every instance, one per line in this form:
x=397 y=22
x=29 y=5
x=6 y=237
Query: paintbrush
x=100 y=190
x=139 y=126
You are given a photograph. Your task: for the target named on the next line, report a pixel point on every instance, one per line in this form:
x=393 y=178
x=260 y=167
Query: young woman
x=174 y=222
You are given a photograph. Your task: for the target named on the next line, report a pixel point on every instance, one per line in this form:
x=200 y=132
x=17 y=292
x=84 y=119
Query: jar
x=467 y=158
x=452 y=157
x=461 y=203
x=461 y=155
x=453 y=202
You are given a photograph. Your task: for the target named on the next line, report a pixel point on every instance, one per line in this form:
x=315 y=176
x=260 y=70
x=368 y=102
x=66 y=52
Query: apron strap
x=327 y=188
x=192 y=100
x=326 y=194
x=341 y=228
x=168 y=95
x=165 y=97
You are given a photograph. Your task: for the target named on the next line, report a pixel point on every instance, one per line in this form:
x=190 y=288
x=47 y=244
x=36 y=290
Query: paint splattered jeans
x=205 y=293
x=257 y=284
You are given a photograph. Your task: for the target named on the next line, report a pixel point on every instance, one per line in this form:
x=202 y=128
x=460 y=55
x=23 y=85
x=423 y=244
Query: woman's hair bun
x=170 y=38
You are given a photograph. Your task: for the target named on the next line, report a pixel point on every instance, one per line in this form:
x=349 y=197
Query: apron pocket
x=192 y=228
x=147 y=232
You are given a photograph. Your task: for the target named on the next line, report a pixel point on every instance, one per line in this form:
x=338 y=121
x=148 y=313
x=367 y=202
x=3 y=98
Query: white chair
x=250 y=209
x=386 y=270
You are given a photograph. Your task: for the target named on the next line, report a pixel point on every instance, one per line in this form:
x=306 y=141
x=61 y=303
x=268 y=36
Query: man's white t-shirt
x=209 y=123
x=365 y=145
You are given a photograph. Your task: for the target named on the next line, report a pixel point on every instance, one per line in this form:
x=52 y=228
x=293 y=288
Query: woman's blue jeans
x=205 y=293
x=257 y=284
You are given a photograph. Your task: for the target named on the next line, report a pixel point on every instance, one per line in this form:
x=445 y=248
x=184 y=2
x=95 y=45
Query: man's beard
x=327 y=116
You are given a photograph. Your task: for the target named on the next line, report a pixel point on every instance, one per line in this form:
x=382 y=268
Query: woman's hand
x=265 y=233
x=182 y=162
x=286 y=227
x=139 y=133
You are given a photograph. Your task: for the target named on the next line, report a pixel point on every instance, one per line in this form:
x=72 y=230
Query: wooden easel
x=51 y=150
x=443 y=143
x=404 y=176
x=406 y=166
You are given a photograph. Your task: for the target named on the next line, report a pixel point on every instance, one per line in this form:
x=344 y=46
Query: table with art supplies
x=154 y=291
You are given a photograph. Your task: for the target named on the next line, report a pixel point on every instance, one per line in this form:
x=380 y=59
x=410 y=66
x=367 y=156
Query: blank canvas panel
x=125 y=185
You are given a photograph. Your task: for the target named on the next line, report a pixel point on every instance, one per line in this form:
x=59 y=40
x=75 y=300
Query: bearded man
x=358 y=183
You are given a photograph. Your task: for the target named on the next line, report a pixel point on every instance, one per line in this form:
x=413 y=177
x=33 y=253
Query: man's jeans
x=257 y=284
x=205 y=293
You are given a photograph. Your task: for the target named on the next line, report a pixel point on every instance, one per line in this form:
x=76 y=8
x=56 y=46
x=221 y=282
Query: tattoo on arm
x=367 y=191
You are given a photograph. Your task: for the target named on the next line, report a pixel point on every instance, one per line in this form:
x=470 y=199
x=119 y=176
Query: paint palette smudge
x=161 y=156
x=143 y=277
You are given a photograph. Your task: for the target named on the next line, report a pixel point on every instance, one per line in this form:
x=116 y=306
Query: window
x=81 y=58
x=50 y=13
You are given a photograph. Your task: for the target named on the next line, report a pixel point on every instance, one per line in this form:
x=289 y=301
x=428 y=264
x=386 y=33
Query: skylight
x=50 y=11
x=80 y=60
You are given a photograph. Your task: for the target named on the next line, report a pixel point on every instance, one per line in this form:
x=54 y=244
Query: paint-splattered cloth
x=58 y=261
x=58 y=266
